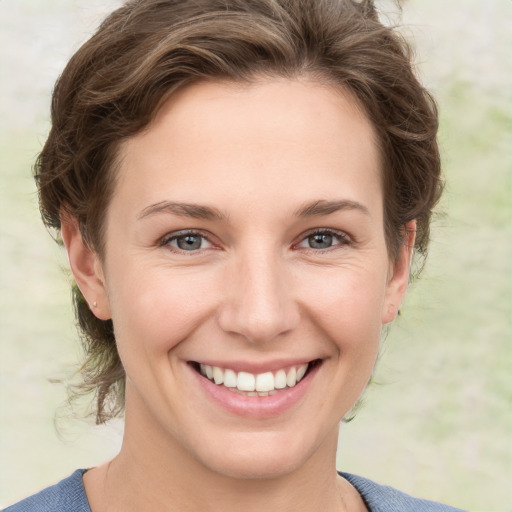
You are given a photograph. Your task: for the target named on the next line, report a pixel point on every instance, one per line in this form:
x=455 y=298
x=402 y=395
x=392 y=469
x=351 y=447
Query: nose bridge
x=259 y=303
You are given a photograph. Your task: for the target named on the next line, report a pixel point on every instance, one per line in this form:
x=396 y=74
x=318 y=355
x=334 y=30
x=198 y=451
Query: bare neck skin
x=157 y=474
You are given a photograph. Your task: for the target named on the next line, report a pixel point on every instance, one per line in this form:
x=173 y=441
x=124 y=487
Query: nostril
x=258 y=307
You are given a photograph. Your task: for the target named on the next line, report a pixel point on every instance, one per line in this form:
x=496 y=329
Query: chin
x=258 y=456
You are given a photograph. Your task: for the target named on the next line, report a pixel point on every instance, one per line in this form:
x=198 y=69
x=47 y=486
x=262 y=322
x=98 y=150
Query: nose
x=259 y=302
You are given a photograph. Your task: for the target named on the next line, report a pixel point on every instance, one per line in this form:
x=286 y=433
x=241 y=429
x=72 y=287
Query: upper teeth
x=261 y=383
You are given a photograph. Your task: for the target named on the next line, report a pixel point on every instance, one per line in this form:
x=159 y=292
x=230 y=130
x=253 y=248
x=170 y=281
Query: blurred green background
x=438 y=421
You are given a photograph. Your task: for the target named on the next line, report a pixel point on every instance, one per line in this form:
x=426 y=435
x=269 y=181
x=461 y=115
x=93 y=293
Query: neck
x=153 y=472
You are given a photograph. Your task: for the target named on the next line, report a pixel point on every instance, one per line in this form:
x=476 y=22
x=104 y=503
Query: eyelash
x=342 y=240
x=166 y=241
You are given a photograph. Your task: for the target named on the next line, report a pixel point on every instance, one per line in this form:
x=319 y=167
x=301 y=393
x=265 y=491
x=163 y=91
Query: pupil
x=320 y=241
x=189 y=242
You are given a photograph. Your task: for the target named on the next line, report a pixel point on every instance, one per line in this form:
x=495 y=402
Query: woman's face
x=246 y=235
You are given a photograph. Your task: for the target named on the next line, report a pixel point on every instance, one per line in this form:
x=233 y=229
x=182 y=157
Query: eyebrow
x=323 y=207
x=194 y=211
x=197 y=211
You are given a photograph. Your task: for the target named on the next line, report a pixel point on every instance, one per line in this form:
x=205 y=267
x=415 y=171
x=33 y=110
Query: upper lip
x=255 y=367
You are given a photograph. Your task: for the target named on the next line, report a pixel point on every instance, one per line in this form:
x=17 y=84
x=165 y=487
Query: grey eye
x=188 y=242
x=320 y=241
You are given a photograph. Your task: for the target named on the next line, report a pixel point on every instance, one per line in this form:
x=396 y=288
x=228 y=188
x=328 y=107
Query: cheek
x=348 y=303
x=158 y=310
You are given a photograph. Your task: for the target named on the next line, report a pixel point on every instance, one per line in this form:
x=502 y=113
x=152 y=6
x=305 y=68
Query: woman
x=240 y=186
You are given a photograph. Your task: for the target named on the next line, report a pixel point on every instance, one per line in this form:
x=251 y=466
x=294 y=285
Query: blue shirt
x=69 y=496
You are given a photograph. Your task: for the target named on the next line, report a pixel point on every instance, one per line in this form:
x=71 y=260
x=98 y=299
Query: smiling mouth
x=262 y=384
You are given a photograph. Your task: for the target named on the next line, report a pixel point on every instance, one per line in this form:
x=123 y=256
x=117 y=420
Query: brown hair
x=147 y=49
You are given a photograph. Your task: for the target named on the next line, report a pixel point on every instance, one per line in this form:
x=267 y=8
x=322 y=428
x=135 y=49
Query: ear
x=86 y=267
x=399 y=271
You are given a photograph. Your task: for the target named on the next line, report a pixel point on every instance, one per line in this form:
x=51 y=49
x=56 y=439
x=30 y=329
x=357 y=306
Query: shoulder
x=66 y=496
x=382 y=498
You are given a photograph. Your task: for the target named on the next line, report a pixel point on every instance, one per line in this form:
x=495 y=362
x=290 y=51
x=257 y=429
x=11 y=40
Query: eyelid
x=345 y=238
x=173 y=235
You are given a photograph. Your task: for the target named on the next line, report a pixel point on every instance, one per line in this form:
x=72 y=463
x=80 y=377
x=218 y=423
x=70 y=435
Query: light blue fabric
x=382 y=498
x=66 y=496
x=69 y=496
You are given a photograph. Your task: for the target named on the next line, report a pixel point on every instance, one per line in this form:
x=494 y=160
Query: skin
x=255 y=292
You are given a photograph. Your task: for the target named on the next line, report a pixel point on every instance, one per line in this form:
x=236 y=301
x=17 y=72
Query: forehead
x=221 y=139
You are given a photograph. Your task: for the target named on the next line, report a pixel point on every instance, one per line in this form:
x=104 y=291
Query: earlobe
x=86 y=267
x=399 y=275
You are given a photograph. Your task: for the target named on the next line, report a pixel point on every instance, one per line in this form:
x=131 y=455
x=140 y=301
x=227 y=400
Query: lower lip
x=255 y=406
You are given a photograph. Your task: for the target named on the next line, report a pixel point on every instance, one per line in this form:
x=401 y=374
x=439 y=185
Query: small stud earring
x=94 y=304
